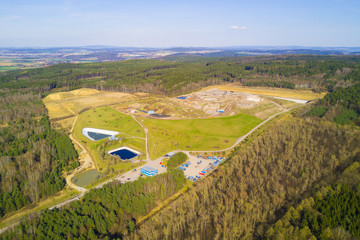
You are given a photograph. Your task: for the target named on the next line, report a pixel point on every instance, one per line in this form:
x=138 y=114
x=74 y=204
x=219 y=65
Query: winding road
x=84 y=156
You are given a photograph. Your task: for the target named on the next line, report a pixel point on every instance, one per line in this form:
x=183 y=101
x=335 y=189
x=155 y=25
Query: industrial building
x=148 y=171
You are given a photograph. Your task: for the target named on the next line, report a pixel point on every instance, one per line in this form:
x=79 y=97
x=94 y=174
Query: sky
x=179 y=23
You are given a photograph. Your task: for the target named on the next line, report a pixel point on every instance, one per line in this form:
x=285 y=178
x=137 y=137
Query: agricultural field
x=7 y=68
x=131 y=135
x=196 y=134
x=7 y=64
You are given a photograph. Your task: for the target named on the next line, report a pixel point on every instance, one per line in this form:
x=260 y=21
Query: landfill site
x=216 y=102
x=201 y=104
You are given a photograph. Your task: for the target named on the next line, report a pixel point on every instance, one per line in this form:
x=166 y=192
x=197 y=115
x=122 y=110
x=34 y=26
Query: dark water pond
x=124 y=154
x=98 y=136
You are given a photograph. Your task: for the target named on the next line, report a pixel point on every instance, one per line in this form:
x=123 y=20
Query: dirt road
x=85 y=160
x=146 y=137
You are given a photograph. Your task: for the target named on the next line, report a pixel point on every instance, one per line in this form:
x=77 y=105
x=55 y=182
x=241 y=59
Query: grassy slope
x=110 y=119
x=196 y=134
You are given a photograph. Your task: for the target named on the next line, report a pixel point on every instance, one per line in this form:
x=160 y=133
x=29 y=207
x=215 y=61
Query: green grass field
x=131 y=132
x=196 y=134
x=7 y=68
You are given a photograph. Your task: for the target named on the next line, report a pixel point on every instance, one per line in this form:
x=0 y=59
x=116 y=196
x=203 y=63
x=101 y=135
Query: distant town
x=17 y=58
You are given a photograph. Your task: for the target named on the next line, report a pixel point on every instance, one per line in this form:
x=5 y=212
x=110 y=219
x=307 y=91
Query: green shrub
x=346 y=117
x=317 y=111
x=176 y=160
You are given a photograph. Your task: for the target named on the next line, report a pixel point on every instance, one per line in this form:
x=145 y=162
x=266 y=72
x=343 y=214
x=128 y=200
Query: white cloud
x=234 y=27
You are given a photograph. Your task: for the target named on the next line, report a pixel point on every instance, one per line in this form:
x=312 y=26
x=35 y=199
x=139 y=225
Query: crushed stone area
x=216 y=102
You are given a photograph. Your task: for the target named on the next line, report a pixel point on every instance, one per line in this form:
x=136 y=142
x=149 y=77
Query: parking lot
x=199 y=164
x=192 y=171
x=135 y=174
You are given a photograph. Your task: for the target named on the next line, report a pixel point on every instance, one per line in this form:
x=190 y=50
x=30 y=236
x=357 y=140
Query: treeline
x=331 y=213
x=171 y=78
x=239 y=201
x=281 y=84
x=341 y=106
x=109 y=212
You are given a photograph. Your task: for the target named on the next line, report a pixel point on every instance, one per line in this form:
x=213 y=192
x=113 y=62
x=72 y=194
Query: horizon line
x=171 y=47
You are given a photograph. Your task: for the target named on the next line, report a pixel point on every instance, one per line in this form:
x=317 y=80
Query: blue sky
x=179 y=23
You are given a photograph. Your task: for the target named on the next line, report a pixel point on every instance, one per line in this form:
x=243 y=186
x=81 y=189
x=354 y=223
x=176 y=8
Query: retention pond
x=98 y=136
x=124 y=153
x=86 y=178
x=95 y=134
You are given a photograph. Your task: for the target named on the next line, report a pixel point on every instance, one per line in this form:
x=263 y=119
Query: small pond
x=98 y=136
x=124 y=153
x=86 y=178
x=95 y=134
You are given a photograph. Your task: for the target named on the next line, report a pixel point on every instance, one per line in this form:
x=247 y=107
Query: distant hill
x=187 y=73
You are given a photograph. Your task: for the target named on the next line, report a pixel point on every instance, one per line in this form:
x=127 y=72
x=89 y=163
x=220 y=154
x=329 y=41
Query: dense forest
x=32 y=155
x=108 y=212
x=341 y=106
x=333 y=213
x=175 y=77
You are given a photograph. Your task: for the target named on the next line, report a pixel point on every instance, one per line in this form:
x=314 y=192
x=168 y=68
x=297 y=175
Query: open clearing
x=274 y=92
x=210 y=119
x=203 y=112
x=196 y=134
